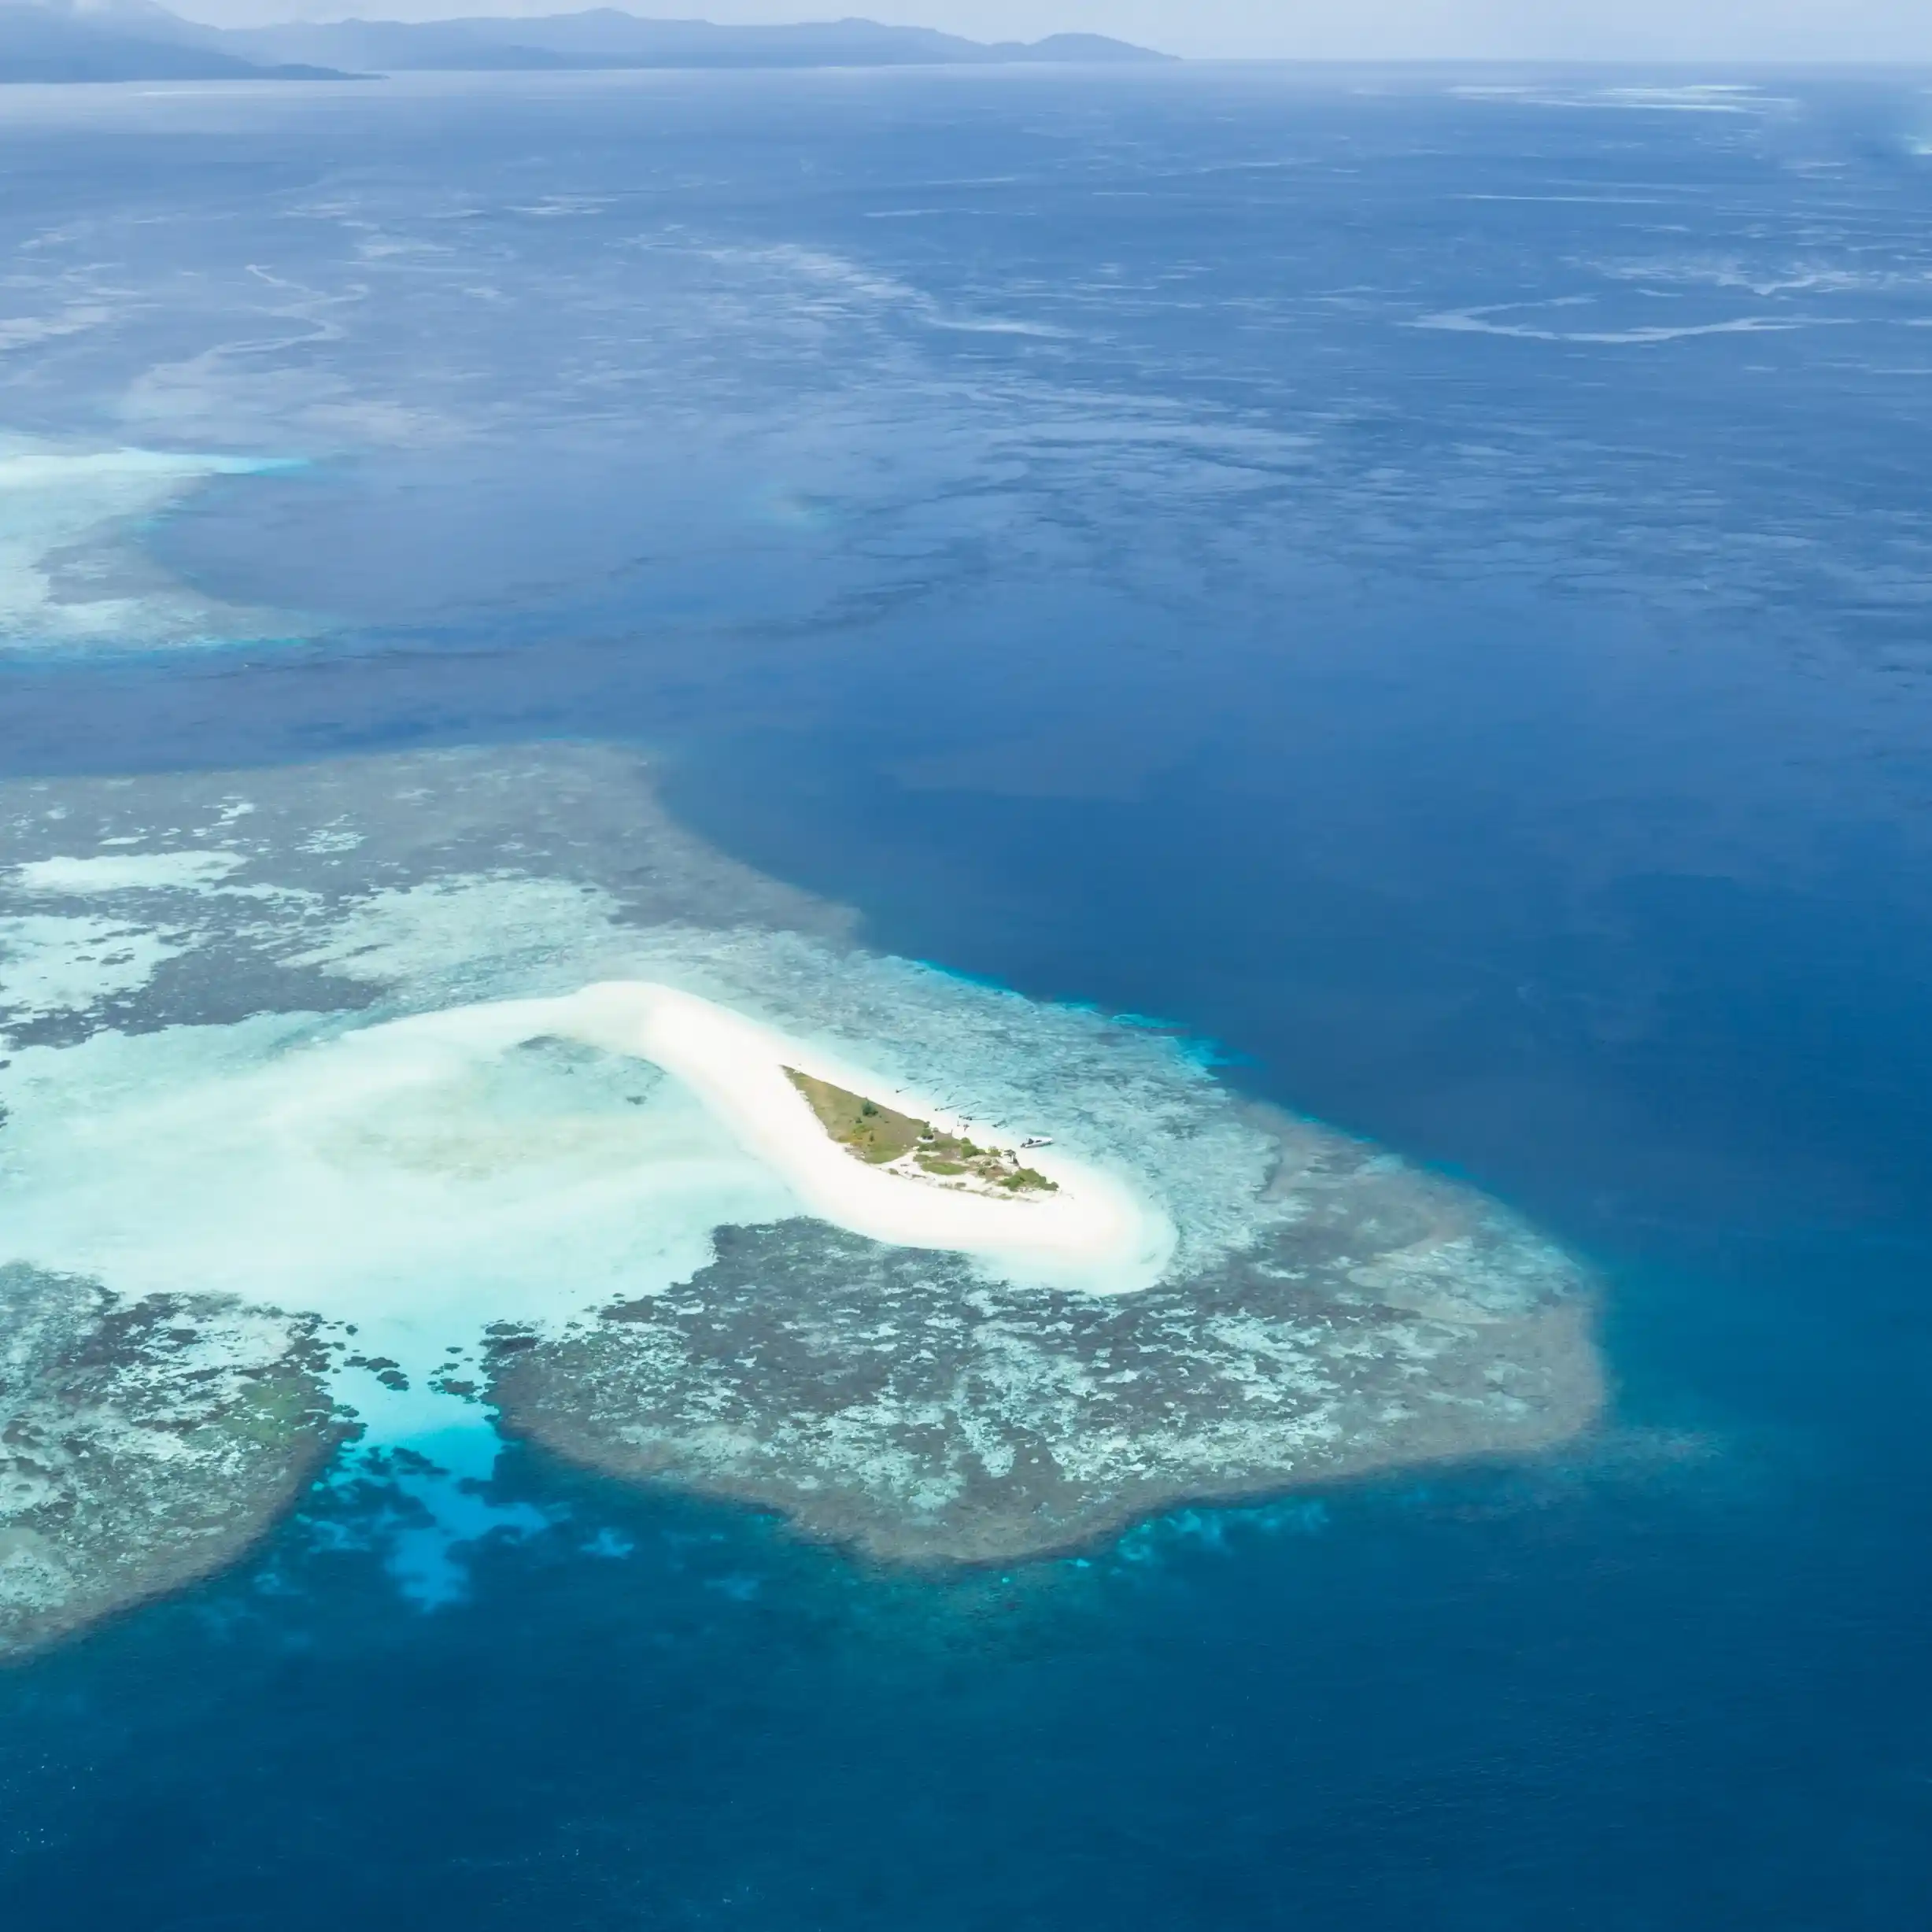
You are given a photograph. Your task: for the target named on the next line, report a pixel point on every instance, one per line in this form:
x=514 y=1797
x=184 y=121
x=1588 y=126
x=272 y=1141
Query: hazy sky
x=1860 y=30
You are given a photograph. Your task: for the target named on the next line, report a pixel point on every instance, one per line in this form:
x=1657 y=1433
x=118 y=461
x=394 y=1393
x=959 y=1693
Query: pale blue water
x=1425 y=581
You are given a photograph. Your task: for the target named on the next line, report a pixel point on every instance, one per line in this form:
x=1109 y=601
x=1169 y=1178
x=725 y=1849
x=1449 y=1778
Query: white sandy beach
x=1092 y=1233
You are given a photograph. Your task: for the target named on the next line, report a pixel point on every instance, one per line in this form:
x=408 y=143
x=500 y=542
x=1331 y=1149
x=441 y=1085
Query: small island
x=881 y=1136
x=395 y=1092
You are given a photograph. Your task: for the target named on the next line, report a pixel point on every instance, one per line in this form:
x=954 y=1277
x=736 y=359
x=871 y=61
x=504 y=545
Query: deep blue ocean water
x=1421 y=579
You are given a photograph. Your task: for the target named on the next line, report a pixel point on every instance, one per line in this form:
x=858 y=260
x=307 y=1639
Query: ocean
x=1416 y=583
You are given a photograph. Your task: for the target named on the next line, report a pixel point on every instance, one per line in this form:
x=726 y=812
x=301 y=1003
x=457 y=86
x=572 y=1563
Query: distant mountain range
x=127 y=40
x=73 y=40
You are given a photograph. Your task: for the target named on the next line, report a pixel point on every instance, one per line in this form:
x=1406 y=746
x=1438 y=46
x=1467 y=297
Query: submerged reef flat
x=73 y=576
x=142 y=1445
x=494 y=1077
x=895 y=1401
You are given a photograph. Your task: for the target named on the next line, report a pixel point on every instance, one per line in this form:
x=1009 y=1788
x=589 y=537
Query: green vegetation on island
x=881 y=1134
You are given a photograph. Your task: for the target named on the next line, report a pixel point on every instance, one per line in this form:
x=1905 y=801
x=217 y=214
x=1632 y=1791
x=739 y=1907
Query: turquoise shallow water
x=1420 y=580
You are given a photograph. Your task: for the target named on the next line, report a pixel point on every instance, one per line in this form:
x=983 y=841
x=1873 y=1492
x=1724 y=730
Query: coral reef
x=142 y=1445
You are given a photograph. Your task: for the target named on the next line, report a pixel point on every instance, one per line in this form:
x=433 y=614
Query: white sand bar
x=1092 y=1233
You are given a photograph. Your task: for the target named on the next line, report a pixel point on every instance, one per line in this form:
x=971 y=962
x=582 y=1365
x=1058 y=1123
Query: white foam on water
x=65 y=516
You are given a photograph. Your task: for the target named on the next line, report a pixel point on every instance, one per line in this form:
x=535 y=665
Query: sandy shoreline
x=1092 y=1233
